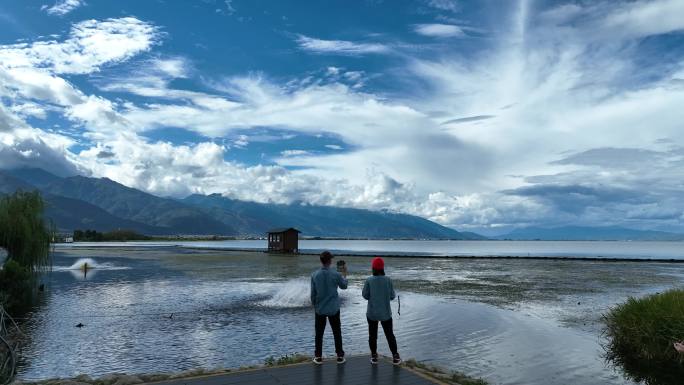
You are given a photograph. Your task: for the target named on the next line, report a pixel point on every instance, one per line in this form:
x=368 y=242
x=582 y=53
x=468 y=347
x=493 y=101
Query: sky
x=480 y=115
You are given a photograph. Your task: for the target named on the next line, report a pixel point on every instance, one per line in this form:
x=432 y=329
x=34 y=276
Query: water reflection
x=232 y=309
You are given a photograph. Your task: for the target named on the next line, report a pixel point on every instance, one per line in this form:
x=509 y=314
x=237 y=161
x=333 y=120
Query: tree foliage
x=24 y=233
x=116 y=235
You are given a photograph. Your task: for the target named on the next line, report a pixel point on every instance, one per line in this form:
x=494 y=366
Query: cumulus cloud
x=339 y=47
x=62 y=7
x=28 y=147
x=439 y=30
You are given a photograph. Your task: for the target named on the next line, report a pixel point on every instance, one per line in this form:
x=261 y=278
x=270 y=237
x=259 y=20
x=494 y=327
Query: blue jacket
x=379 y=291
x=324 y=284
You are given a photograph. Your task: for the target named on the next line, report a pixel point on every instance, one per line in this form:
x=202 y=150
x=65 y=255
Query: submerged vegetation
x=640 y=334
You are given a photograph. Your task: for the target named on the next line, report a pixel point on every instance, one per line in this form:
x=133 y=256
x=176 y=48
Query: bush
x=16 y=286
x=639 y=336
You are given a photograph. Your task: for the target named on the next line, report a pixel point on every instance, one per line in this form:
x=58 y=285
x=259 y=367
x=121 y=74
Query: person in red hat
x=379 y=291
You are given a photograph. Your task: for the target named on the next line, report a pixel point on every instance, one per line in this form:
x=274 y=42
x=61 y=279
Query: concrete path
x=356 y=371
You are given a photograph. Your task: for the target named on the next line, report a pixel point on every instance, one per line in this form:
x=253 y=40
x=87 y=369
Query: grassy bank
x=640 y=334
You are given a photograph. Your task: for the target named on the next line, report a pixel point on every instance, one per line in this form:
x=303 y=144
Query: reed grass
x=639 y=336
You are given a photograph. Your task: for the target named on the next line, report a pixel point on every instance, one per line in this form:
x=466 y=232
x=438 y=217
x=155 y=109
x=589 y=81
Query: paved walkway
x=356 y=371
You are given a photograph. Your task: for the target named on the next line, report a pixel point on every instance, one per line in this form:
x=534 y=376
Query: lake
x=579 y=249
x=167 y=309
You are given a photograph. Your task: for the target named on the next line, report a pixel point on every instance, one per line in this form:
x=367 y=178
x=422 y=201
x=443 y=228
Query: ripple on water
x=223 y=321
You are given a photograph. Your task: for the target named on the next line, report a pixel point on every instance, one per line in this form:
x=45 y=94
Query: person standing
x=324 y=284
x=379 y=291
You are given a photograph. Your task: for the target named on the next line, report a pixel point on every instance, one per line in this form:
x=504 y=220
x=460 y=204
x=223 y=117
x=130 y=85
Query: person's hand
x=679 y=346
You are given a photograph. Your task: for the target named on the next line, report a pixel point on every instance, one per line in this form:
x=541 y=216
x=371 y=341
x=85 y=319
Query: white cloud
x=339 y=47
x=62 y=7
x=439 y=30
x=294 y=152
x=637 y=19
x=29 y=147
x=333 y=146
x=444 y=5
x=561 y=13
x=91 y=44
x=177 y=67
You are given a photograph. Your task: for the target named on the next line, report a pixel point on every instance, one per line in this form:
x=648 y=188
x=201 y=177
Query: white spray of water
x=88 y=264
x=83 y=263
x=290 y=294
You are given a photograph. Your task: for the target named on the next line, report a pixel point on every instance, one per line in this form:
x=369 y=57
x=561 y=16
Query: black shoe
x=341 y=360
x=396 y=360
x=318 y=360
x=374 y=359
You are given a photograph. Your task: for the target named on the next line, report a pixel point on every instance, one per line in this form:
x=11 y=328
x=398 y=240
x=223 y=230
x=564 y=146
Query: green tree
x=24 y=233
x=26 y=237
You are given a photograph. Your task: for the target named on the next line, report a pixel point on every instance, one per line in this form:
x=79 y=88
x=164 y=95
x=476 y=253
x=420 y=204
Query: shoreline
x=431 y=372
x=342 y=253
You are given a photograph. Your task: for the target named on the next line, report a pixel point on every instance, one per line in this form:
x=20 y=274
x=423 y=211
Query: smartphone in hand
x=341 y=266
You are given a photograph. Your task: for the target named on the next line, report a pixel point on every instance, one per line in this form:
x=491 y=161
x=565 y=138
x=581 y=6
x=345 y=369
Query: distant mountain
x=251 y=218
x=9 y=184
x=74 y=214
x=579 y=233
x=101 y=204
x=35 y=176
x=161 y=215
x=71 y=214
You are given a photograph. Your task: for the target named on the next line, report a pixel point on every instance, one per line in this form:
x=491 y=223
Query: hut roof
x=282 y=230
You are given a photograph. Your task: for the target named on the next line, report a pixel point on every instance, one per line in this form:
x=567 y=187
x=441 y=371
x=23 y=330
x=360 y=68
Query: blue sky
x=480 y=115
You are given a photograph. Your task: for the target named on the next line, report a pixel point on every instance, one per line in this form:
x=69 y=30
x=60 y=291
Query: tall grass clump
x=639 y=336
x=26 y=237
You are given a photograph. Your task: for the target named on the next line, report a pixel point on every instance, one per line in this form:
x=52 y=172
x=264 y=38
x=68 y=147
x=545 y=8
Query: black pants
x=336 y=327
x=373 y=335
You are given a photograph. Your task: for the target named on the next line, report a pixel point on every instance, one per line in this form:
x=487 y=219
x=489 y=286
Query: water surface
x=574 y=249
x=167 y=309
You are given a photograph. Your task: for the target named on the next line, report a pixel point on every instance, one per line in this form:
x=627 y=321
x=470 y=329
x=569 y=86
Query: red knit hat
x=378 y=264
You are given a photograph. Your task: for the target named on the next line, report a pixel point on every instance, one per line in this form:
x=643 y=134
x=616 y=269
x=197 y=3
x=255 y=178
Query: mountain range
x=101 y=204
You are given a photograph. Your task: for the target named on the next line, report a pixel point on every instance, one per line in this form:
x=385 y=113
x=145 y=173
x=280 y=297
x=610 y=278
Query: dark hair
x=379 y=272
x=326 y=257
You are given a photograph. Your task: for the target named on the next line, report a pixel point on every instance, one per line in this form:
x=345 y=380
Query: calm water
x=509 y=321
x=617 y=249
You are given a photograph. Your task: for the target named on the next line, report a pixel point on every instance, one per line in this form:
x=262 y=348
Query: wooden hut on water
x=283 y=240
